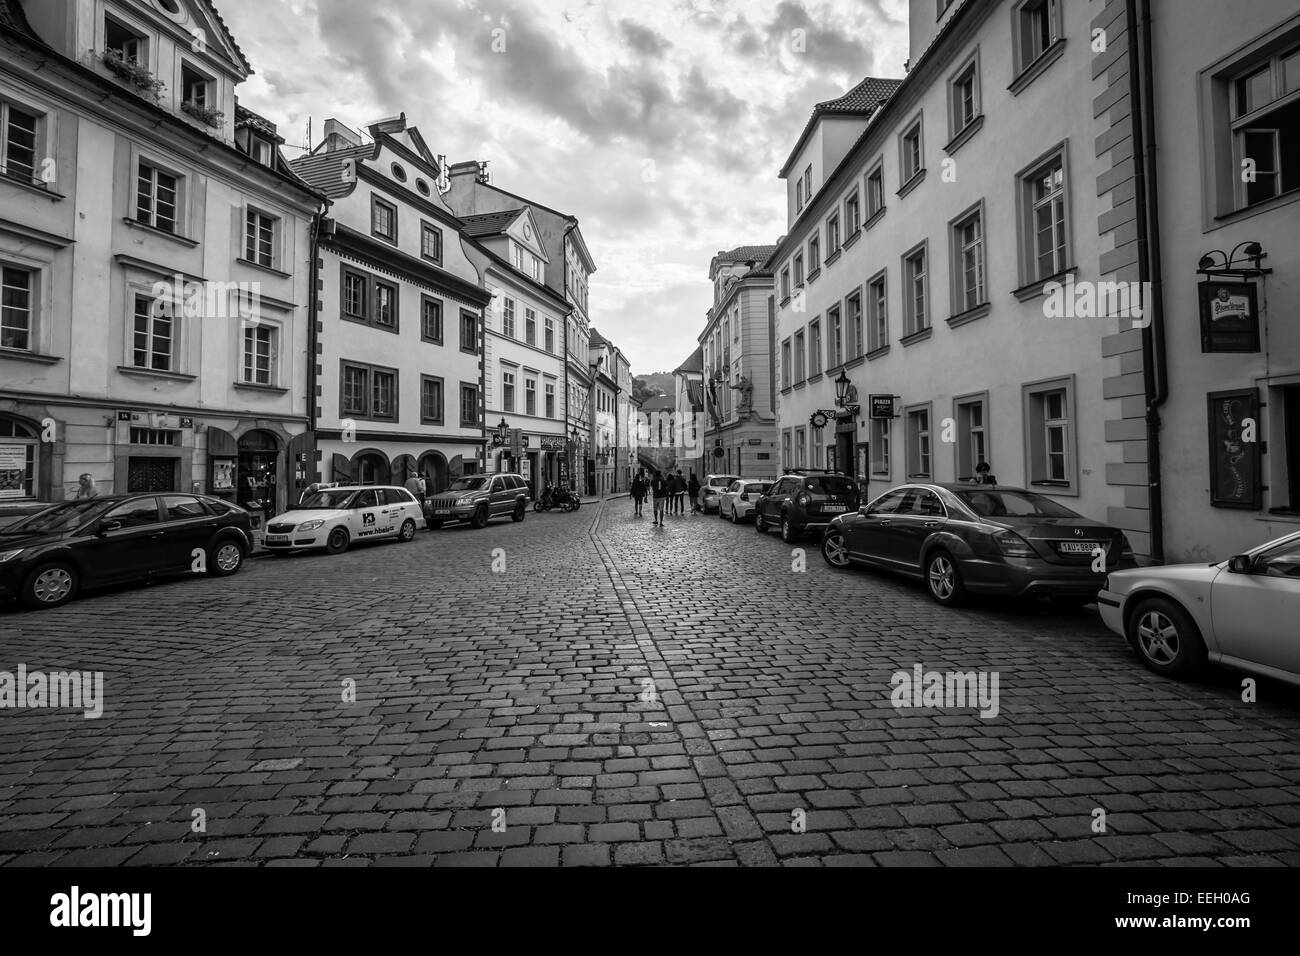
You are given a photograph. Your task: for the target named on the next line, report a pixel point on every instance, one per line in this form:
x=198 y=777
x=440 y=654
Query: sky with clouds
x=660 y=124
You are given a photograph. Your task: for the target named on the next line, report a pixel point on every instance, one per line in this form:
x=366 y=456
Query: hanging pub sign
x=1234 y=449
x=1229 y=317
x=882 y=406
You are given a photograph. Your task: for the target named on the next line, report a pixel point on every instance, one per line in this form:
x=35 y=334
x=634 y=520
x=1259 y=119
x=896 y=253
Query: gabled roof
x=244 y=117
x=754 y=256
x=323 y=171
x=863 y=100
x=225 y=31
x=489 y=223
x=693 y=364
x=596 y=339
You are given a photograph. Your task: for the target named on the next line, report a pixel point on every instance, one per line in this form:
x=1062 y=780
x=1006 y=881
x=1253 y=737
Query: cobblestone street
x=618 y=694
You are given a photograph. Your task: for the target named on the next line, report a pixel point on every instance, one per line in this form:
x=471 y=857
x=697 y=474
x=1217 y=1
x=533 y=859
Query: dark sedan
x=980 y=539
x=47 y=558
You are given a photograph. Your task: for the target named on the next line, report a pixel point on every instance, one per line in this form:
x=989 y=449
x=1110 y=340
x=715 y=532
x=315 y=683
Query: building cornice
x=398 y=264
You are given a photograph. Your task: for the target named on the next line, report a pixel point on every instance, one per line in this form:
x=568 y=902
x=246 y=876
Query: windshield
x=64 y=517
x=475 y=483
x=329 y=500
x=1013 y=504
x=723 y=481
x=831 y=485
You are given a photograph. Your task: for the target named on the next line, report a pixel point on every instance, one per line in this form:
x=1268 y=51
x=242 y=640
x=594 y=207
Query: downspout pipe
x=1146 y=199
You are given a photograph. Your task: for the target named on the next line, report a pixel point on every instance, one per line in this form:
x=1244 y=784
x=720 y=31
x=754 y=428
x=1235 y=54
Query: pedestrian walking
x=659 y=494
x=415 y=485
x=676 y=488
x=693 y=492
x=638 y=495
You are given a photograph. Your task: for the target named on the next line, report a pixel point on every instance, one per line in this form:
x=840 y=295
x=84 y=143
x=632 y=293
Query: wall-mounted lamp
x=1217 y=263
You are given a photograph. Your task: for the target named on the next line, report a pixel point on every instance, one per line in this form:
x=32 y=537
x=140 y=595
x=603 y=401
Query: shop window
x=18 y=460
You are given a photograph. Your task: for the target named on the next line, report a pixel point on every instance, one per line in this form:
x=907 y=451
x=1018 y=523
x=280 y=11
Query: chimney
x=391 y=125
x=338 y=136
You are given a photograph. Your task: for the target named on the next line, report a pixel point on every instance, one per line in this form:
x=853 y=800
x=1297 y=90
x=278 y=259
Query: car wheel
x=433 y=525
x=50 y=585
x=225 y=558
x=788 y=534
x=835 y=551
x=1166 y=638
x=408 y=531
x=520 y=511
x=759 y=524
x=943 y=580
x=480 y=518
x=338 y=541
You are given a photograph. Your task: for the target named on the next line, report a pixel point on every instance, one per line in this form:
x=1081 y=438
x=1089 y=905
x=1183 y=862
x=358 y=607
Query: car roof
x=361 y=488
x=971 y=486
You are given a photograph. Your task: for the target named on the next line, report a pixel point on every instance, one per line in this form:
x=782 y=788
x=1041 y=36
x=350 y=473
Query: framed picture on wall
x=1234 y=432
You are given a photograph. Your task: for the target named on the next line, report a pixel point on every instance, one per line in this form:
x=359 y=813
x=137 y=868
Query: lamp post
x=842 y=386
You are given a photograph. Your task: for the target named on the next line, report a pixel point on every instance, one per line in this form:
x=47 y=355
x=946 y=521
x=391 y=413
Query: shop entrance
x=151 y=474
x=256 y=473
x=434 y=469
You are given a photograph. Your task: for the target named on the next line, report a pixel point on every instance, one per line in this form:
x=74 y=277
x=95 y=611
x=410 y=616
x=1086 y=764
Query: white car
x=737 y=502
x=332 y=518
x=1242 y=613
x=712 y=489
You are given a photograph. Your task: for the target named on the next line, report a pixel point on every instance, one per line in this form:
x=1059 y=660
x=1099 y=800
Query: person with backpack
x=693 y=492
x=638 y=495
x=659 y=494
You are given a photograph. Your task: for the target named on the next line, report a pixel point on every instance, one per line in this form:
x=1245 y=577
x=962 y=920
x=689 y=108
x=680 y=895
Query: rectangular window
x=968 y=261
x=355 y=298
x=912 y=151
x=431 y=320
x=354 y=390
x=972 y=436
x=517 y=256
x=530 y=326
x=155 y=436
x=17 y=298
x=259 y=238
x=507 y=390
x=836 y=324
x=915 y=292
x=875 y=191
x=964 y=98
x=814 y=347
x=123 y=41
x=469 y=333
x=785 y=364
x=384 y=392
x=798 y=195
x=156 y=198
x=549 y=391
x=814 y=255
x=798 y=269
x=259 y=355
x=880 y=467
x=550 y=334
x=530 y=396
x=431 y=243
x=1038 y=26
x=800 y=448
x=431 y=412
x=833 y=234
x=383 y=219
x=807 y=184
x=1045 y=227
x=18 y=138
x=508 y=318
x=1265 y=128
x=879 y=305
x=1050 y=434
x=153 y=335
x=196 y=89
x=785 y=283
x=537 y=269
x=468 y=405
x=852 y=215
x=918 y=444
x=385 y=305
x=799 y=356
x=785 y=450
x=854 y=306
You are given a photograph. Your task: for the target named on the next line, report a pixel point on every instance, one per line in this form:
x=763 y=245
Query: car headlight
x=313 y=525
x=465 y=501
x=10 y=555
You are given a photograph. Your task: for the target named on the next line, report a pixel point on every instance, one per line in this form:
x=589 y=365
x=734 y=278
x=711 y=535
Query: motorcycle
x=560 y=498
x=546 y=501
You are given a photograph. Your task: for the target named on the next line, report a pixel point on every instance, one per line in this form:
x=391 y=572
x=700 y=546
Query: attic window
x=399 y=173
x=123 y=41
x=422 y=186
x=260 y=150
x=196 y=87
x=171 y=6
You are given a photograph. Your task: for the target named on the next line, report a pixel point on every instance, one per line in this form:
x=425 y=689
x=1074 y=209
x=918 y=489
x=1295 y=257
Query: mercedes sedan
x=980 y=539
x=1239 y=613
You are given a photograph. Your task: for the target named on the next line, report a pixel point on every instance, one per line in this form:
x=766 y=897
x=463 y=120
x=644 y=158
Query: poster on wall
x=223 y=474
x=1234 y=449
x=13 y=471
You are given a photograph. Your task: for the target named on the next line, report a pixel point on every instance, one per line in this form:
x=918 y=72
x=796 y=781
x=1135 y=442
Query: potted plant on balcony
x=130 y=71
x=204 y=114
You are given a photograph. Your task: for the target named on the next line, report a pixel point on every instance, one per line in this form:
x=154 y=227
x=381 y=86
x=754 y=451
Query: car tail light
x=744 y=496
x=1012 y=545
x=1125 y=549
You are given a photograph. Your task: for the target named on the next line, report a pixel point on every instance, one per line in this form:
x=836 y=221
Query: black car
x=980 y=539
x=47 y=558
x=805 y=500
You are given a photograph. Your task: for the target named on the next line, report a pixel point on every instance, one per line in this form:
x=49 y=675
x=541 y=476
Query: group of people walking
x=667 y=493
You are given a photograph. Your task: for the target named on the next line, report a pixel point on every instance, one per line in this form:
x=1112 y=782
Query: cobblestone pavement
x=618 y=694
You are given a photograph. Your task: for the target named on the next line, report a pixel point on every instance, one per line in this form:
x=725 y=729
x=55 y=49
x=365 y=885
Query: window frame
x=179 y=196
x=957 y=250
x=957 y=129
x=276 y=222
x=377 y=202
x=878 y=325
x=920 y=442
x=1036 y=426
x=881 y=454
x=473 y=419
x=909 y=177
x=1026 y=226
x=33 y=307
x=1025 y=67
x=273 y=354
x=471 y=348
x=428 y=229
x=912 y=323
x=875 y=174
x=964 y=459
x=427 y=300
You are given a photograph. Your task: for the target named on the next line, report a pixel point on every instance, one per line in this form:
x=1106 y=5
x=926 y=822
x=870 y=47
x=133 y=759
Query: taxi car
x=332 y=518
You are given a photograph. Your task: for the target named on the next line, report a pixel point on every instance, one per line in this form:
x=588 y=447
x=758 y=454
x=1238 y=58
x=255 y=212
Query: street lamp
x=1227 y=263
x=842 y=386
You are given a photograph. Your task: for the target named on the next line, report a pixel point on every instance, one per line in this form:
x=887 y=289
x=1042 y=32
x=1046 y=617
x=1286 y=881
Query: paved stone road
x=617 y=694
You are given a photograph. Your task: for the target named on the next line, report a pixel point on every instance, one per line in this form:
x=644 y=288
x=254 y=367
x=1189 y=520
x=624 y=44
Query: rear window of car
x=758 y=487
x=830 y=485
x=398 y=496
x=1013 y=504
x=723 y=481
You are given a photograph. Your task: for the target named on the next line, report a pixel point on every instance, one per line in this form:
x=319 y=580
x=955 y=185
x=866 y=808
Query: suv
x=478 y=499
x=805 y=500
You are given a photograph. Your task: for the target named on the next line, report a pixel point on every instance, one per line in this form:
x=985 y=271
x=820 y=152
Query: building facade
x=154 y=247
x=737 y=343
x=626 y=416
x=603 y=362
x=921 y=318
x=399 y=374
x=687 y=427
x=523 y=349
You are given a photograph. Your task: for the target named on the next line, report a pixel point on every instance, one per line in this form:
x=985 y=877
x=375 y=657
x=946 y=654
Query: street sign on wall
x=882 y=406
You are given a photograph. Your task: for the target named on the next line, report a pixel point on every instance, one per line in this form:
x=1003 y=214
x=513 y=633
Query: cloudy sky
x=660 y=124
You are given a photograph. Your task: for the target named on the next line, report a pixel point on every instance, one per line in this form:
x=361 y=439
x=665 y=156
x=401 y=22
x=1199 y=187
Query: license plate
x=277 y=539
x=1080 y=547
x=443 y=511
x=834 y=509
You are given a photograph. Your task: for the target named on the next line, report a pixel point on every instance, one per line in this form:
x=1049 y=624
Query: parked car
x=712 y=489
x=332 y=518
x=48 y=557
x=1239 y=613
x=979 y=539
x=738 y=501
x=478 y=499
x=805 y=500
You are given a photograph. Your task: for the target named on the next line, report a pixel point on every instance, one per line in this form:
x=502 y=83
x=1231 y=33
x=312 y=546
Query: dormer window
x=196 y=87
x=124 y=41
x=261 y=151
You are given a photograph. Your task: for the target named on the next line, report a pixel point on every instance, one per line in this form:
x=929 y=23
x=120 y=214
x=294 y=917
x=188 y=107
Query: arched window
x=372 y=470
x=18 y=458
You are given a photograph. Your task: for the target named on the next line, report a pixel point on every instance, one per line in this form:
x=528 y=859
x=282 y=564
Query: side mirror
x=862 y=510
x=106 y=526
x=1240 y=564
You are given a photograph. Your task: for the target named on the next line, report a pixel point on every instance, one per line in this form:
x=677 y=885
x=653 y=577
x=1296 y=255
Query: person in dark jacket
x=983 y=474
x=659 y=493
x=638 y=494
x=693 y=492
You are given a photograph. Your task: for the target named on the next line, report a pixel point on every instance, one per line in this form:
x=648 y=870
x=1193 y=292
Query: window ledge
x=1038 y=289
x=816 y=377
x=786 y=390
x=256 y=387
x=1237 y=215
x=877 y=353
x=854 y=363
x=257 y=265
x=40 y=190
x=155 y=373
x=785 y=302
x=851 y=238
x=799 y=385
x=812 y=276
x=912 y=183
x=1035 y=69
x=874 y=218
x=21 y=355
x=970 y=315
x=918 y=336
x=834 y=255
x=174 y=237
x=966 y=133
x=427 y=341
